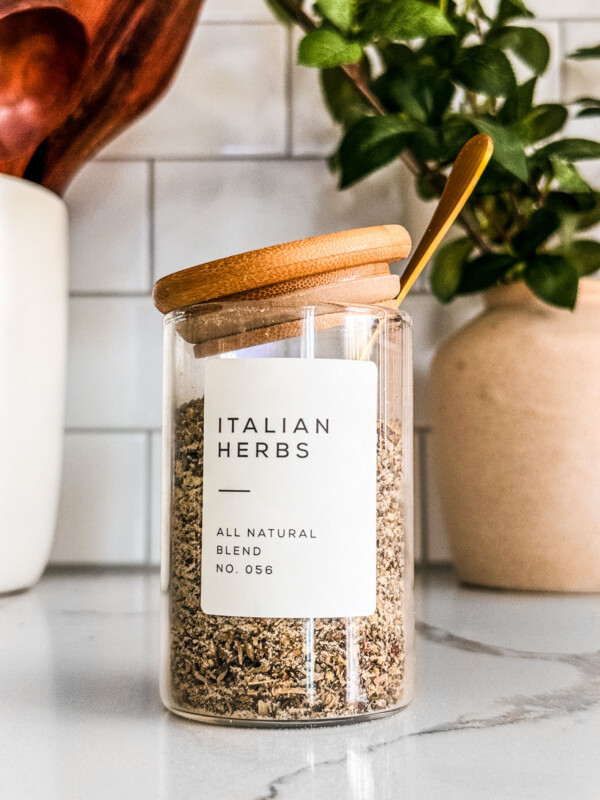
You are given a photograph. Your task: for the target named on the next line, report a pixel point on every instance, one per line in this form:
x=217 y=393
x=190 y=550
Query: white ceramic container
x=33 y=339
x=517 y=442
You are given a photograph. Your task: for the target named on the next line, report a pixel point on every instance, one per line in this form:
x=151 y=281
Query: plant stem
x=416 y=166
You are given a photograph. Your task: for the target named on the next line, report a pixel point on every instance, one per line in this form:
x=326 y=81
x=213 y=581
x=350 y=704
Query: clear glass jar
x=287 y=551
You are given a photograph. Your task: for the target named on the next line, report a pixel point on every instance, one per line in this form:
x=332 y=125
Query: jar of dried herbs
x=287 y=563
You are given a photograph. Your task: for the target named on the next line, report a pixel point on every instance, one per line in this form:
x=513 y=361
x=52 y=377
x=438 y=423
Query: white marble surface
x=507 y=706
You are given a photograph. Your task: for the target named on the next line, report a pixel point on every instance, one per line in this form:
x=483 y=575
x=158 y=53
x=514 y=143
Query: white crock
x=33 y=338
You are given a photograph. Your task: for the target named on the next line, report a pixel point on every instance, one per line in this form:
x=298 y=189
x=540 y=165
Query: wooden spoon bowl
x=42 y=55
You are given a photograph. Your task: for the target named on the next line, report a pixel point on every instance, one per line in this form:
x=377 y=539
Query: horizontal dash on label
x=235 y=490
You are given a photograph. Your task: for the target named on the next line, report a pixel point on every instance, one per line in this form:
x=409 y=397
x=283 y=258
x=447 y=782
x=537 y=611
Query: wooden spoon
x=466 y=172
x=135 y=47
x=42 y=54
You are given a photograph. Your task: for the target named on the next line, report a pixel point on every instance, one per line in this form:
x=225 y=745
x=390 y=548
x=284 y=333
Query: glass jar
x=287 y=551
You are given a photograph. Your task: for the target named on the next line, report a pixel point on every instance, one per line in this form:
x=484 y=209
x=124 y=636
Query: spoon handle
x=466 y=171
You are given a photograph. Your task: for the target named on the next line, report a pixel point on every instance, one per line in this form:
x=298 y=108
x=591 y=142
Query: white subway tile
x=156 y=498
x=438 y=548
x=548 y=86
x=556 y=9
x=418 y=488
x=235 y=11
x=313 y=130
x=228 y=98
x=432 y=324
x=582 y=78
x=114 y=364
x=211 y=210
x=109 y=228
x=103 y=504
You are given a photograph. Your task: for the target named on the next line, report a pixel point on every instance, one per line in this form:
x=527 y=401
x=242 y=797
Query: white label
x=289 y=497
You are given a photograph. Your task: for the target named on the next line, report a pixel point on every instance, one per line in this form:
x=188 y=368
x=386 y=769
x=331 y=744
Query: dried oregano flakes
x=249 y=668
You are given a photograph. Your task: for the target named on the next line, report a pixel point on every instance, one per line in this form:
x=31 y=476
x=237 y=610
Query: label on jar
x=289 y=490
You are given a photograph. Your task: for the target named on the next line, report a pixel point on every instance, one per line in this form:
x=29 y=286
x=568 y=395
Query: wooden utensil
x=134 y=47
x=464 y=176
x=42 y=54
x=466 y=172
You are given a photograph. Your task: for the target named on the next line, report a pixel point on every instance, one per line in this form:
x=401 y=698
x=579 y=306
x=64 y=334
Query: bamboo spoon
x=466 y=172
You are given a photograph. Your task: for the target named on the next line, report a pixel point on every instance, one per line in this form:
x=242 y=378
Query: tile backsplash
x=233 y=158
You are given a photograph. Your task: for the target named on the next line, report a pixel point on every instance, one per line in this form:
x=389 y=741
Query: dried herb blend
x=250 y=668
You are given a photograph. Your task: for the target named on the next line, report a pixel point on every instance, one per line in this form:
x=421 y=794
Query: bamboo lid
x=292 y=268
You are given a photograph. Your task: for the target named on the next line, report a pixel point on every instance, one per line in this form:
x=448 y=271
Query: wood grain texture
x=283 y=262
x=273 y=333
x=42 y=55
x=132 y=50
x=312 y=282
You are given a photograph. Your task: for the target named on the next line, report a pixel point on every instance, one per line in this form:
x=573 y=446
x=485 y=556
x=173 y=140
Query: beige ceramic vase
x=516 y=418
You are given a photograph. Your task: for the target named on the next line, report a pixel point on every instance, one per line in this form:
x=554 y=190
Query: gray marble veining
x=507 y=706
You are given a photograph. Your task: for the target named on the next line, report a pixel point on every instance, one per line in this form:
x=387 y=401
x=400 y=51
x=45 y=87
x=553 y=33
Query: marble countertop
x=507 y=705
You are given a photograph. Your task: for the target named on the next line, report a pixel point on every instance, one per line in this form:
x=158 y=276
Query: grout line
x=561 y=62
x=151 y=199
x=149 y=462
x=111 y=295
x=588 y=20
x=289 y=94
x=423 y=497
x=267 y=23
x=80 y=429
x=215 y=158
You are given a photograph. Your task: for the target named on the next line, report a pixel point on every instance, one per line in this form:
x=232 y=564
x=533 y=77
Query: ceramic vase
x=516 y=442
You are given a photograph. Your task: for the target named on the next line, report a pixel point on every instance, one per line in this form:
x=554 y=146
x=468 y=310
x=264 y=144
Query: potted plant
x=517 y=391
x=73 y=75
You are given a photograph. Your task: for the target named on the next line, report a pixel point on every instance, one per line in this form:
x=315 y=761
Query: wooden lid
x=306 y=261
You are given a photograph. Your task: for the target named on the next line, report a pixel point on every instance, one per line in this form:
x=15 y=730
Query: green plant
x=444 y=73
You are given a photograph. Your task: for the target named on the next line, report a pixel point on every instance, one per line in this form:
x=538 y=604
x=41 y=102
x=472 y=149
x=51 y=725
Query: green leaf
x=511 y=9
x=588 y=112
x=324 y=48
x=370 y=144
x=590 y=217
x=485 y=271
x=541 y=122
x=587 y=101
x=425 y=190
x=339 y=12
x=519 y=103
x=447 y=268
x=280 y=12
x=455 y=132
x=508 y=150
x=418 y=90
x=553 y=279
x=396 y=55
x=584 y=255
x=586 y=52
x=570 y=204
x=542 y=224
x=496 y=181
x=528 y=44
x=344 y=102
x=591 y=107
x=485 y=70
x=571 y=149
x=566 y=176
x=405 y=20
